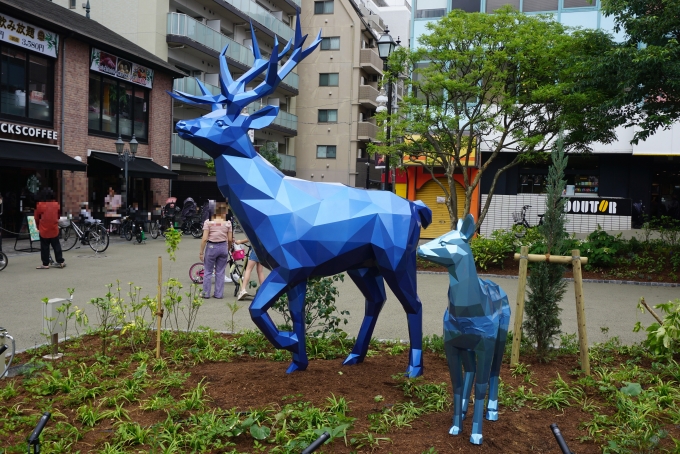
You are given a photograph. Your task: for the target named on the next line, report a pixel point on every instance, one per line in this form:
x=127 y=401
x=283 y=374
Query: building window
x=325 y=7
x=325 y=151
x=328 y=79
x=72 y=4
x=328 y=115
x=430 y=13
x=26 y=86
x=469 y=6
x=117 y=108
x=330 y=43
x=428 y=9
x=531 y=6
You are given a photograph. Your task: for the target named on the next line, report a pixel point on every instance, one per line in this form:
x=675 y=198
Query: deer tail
x=424 y=212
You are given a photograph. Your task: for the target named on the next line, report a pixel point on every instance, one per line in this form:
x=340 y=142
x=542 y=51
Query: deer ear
x=466 y=227
x=263 y=117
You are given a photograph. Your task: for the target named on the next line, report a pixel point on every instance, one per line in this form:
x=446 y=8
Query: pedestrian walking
x=46 y=220
x=252 y=262
x=215 y=245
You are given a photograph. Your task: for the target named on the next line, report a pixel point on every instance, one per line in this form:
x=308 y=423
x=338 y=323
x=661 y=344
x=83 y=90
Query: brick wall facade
x=77 y=141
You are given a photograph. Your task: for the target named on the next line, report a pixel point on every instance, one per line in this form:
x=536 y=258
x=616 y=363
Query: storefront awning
x=99 y=163
x=18 y=154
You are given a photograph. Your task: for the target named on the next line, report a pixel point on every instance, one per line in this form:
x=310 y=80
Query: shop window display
x=117 y=108
x=26 y=85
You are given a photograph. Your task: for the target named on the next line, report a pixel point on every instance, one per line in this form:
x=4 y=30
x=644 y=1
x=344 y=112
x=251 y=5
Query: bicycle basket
x=238 y=254
x=517 y=216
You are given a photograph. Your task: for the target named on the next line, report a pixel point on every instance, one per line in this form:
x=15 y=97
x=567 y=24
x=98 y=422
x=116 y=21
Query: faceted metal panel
x=301 y=229
x=475 y=327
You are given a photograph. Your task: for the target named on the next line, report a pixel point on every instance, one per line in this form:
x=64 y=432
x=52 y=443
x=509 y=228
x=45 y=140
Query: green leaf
x=259 y=432
x=632 y=389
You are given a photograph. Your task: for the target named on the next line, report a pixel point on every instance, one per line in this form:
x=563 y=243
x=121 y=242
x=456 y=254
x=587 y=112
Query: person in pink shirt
x=215 y=246
x=46 y=220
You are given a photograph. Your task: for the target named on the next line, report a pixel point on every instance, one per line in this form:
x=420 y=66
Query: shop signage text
x=104 y=62
x=601 y=206
x=28 y=131
x=28 y=36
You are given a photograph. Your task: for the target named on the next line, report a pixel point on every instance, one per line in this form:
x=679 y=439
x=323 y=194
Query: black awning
x=19 y=154
x=99 y=163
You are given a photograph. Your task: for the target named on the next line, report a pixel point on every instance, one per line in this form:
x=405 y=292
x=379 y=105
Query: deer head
x=225 y=129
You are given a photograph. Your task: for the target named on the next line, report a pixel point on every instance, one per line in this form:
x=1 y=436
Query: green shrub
x=493 y=251
x=663 y=339
x=601 y=249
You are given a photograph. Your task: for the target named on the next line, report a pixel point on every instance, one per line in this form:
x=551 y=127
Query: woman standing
x=46 y=220
x=215 y=246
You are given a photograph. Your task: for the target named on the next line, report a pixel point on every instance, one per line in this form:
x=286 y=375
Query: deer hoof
x=455 y=430
x=476 y=439
x=351 y=359
x=414 y=371
x=295 y=367
x=492 y=415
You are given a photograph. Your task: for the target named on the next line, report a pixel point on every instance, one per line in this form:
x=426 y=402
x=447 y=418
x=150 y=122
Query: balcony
x=367 y=96
x=190 y=86
x=183 y=25
x=367 y=131
x=288 y=162
x=262 y=16
x=181 y=147
x=370 y=61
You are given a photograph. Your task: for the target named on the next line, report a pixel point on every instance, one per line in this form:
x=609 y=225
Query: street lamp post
x=386 y=46
x=126 y=155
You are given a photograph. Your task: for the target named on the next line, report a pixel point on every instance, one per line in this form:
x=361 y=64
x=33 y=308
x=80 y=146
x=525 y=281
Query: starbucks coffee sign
x=599 y=206
x=23 y=132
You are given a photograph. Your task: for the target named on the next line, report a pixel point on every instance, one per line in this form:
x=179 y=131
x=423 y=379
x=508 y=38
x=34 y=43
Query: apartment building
x=342 y=80
x=189 y=34
x=619 y=173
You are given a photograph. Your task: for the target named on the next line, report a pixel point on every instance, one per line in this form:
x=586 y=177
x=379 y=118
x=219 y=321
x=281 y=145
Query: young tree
x=546 y=283
x=645 y=68
x=500 y=82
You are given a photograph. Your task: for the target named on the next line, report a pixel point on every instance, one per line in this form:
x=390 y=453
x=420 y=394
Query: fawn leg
x=453 y=357
x=272 y=287
x=296 y=306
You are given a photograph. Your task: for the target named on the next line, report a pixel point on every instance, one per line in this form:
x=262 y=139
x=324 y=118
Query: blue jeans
x=215 y=258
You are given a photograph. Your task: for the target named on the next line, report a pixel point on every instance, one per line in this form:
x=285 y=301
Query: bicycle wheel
x=98 y=238
x=236 y=226
x=138 y=235
x=196 y=273
x=196 y=230
x=127 y=232
x=236 y=274
x=67 y=238
x=519 y=230
x=155 y=230
x=3 y=260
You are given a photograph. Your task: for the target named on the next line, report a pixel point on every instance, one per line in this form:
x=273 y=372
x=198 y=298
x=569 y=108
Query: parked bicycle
x=3 y=347
x=3 y=256
x=132 y=226
x=521 y=224
x=234 y=268
x=89 y=233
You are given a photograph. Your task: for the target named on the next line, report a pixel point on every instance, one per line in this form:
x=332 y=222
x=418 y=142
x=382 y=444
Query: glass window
x=325 y=151
x=539 y=5
x=469 y=6
x=117 y=108
x=94 y=103
x=332 y=43
x=430 y=13
x=39 y=89
x=13 y=81
x=328 y=115
x=325 y=7
x=493 y=5
x=328 y=79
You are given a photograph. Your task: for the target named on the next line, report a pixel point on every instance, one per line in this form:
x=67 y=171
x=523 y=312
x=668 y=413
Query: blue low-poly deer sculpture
x=475 y=327
x=301 y=229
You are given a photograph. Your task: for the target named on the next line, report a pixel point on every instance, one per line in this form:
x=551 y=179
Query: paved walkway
x=607 y=305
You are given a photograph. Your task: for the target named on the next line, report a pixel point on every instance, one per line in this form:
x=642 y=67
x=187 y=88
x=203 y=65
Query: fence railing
x=288 y=162
x=181 y=147
x=263 y=16
x=283 y=119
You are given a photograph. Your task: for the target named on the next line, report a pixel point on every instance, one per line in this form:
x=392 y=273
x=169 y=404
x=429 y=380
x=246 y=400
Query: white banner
x=112 y=65
x=28 y=36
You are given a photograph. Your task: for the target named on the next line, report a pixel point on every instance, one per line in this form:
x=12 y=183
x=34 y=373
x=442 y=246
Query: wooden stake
x=519 y=311
x=580 y=311
x=55 y=344
x=159 y=309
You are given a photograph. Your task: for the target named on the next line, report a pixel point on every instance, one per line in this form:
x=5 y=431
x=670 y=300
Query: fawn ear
x=263 y=117
x=466 y=227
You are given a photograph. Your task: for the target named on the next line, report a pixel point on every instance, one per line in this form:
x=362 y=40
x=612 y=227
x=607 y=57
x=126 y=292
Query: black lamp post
x=386 y=46
x=126 y=155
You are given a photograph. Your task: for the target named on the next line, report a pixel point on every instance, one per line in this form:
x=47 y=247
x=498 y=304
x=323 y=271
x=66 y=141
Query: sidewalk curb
x=594 y=281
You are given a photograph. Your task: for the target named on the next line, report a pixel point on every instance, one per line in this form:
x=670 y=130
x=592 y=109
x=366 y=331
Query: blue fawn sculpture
x=301 y=229
x=475 y=327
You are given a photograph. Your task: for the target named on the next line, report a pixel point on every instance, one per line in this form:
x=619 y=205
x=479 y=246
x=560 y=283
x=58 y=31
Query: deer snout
x=183 y=129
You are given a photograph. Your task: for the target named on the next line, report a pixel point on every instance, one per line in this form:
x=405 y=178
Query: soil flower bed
x=219 y=393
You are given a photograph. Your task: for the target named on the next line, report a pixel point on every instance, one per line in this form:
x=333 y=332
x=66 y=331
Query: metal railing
x=288 y=162
x=283 y=119
x=183 y=25
x=181 y=147
x=189 y=85
x=263 y=16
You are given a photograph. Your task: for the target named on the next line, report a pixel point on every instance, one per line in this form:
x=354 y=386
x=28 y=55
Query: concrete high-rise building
x=190 y=34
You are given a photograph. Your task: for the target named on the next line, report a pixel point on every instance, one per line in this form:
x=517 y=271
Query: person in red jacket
x=46 y=220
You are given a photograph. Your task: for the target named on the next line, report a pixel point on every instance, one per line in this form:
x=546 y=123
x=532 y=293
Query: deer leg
x=403 y=285
x=454 y=360
x=296 y=306
x=499 y=350
x=372 y=286
x=484 y=354
x=272 y=287
x=469 y=364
